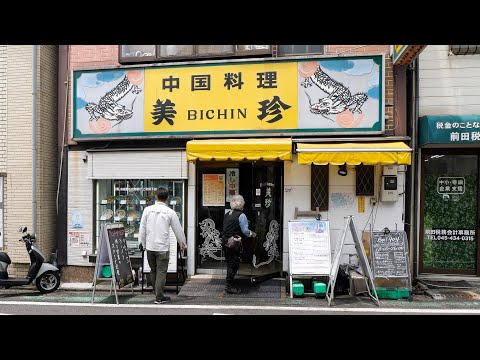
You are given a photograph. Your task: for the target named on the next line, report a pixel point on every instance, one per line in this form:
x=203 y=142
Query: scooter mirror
x=25 y=229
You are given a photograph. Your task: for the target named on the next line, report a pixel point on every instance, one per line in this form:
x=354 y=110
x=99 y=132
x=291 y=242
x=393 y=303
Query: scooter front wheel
x=48 y=282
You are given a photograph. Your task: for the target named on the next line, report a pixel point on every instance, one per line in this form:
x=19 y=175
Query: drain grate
x=460 y=284
x=457 y=295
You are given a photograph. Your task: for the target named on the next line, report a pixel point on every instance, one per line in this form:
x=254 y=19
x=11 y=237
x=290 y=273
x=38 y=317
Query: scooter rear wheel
x=48 y=282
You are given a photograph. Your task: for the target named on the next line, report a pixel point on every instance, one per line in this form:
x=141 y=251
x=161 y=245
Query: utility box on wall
x=389 y=191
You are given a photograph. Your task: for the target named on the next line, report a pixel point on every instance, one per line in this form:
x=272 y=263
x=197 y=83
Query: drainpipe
x=414 y=177
x=34 y=139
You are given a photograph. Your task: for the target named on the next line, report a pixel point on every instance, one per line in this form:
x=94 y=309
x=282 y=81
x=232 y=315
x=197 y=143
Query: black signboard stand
x=113 y=262
x=389 y=251
x=367 y=272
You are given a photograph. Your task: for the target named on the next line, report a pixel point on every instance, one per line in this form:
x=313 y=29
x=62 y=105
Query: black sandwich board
x=113 y=261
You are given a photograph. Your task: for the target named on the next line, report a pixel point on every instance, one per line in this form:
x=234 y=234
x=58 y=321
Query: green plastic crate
x=403 y=293
x=392 y=293
x=297 y=288
x=319 y=288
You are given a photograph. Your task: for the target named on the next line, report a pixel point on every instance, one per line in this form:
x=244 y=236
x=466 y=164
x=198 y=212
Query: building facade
x=448 y=161
x=18 y=190
x=300 y=131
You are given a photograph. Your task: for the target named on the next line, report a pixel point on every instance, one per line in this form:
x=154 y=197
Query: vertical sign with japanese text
x=232 y=183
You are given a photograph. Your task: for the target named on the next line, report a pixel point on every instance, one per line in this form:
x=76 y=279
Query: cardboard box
x=357 y=283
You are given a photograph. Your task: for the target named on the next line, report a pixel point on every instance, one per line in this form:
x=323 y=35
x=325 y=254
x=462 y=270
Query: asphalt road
x=9 y=307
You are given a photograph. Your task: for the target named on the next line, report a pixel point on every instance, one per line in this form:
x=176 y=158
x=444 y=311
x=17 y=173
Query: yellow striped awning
x=385 y=153
x=240 y=149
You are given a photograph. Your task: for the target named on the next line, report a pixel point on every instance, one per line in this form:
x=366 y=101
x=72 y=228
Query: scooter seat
x=5 y=258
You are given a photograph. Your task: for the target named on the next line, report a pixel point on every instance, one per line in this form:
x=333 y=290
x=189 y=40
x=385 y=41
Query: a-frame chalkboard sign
x=362 y=256
x=113 y=261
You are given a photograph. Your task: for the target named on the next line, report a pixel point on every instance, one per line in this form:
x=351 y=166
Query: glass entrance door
x=260 y=184
x=262 y=254
x=449 y=213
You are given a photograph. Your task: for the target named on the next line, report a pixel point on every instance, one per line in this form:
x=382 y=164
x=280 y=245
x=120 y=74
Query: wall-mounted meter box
x=389 y=191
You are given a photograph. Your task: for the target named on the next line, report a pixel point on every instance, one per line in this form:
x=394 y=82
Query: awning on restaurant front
x=240 y=149
x=385 y=153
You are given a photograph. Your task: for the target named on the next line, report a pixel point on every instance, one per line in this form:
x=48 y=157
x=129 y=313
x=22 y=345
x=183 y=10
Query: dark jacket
x=231 y=225
x=231 y=228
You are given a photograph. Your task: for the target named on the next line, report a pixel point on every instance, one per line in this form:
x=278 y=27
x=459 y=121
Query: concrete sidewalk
x=445 y=299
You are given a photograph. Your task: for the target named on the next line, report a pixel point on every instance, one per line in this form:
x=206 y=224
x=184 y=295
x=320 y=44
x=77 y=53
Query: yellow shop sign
x=216 y=98
x=270 y=97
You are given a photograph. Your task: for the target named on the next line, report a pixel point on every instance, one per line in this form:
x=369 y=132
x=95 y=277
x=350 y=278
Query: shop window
x=288 y=50
x=149 y=53
x=176 y=51
x=123 y=201
x=319 y=193
x=365 y=180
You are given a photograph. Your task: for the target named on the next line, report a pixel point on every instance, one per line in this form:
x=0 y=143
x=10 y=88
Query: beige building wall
x=47 y=168
x=3 y=132
x=16 y=148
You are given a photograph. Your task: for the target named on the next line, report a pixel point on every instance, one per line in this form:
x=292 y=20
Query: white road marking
x=221 y=314
x=254 y=307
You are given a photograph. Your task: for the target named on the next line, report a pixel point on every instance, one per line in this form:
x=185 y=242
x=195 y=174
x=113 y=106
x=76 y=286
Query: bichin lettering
x=217 y=114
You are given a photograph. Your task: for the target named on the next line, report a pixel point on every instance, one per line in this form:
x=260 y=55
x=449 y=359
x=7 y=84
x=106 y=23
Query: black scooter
x=45 y=275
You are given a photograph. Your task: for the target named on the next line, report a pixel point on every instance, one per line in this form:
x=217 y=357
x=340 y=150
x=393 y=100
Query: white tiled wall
x=342 y=203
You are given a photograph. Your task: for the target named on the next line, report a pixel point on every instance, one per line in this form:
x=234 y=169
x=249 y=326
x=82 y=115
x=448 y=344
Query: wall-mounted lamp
x=342 y=169
x=85 y=158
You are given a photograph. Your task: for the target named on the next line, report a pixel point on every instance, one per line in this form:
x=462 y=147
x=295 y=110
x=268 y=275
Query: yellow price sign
x=361 y=204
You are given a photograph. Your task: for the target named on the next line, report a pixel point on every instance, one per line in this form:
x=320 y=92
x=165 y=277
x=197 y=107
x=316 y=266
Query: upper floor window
x=287 y=50
x=148 y=53
x=465 y=49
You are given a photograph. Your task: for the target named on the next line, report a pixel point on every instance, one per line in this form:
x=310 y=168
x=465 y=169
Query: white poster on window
x=172 y=260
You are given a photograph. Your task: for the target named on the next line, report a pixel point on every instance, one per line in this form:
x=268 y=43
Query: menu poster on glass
x=232 y=183
x=213 y=189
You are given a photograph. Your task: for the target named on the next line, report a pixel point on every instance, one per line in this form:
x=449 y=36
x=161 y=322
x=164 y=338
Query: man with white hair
x=235 y=224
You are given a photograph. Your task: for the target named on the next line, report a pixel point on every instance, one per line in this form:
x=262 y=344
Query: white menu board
x=172 y=260
x=309 y=247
